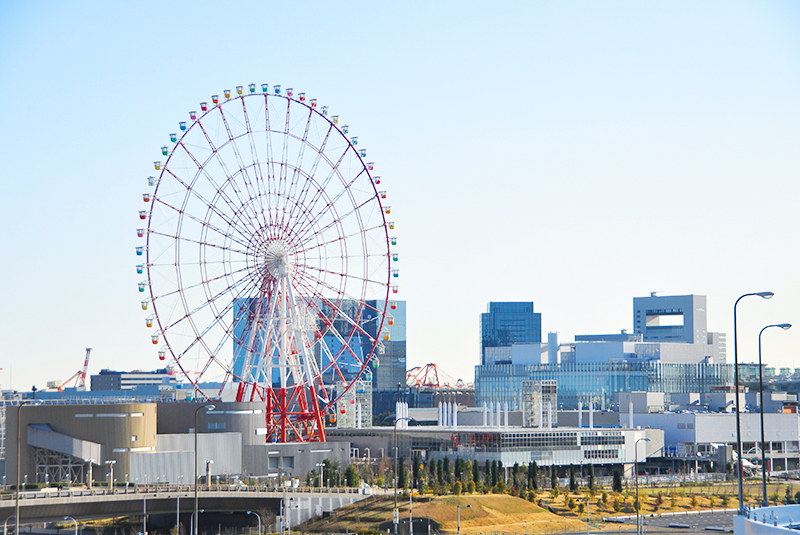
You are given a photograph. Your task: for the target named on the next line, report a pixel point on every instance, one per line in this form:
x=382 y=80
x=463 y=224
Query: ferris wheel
x=268 y=256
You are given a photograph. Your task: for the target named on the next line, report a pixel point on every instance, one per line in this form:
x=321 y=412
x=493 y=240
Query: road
x=694 y=522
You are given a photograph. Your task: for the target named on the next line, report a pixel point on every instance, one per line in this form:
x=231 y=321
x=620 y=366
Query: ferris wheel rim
x=164 y=327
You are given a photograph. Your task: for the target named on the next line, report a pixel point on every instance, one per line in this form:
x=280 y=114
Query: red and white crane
x=80 y=376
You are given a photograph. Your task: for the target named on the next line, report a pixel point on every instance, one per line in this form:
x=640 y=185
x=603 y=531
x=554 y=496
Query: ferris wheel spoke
x=309 y=182
x=211 y=207
x=333 y=202
x=204 y=282
x=340 y=313
x=229 y=179
x=337 y=221
x=253 y=195
x=299 y=165
x=217 y=319
x=343 y=275
x=197 y=242
x=203 y=171
x=253 y=151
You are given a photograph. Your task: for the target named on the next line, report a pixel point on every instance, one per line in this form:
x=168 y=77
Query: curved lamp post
x=784 y=326
x=19 y=431
x=76 y=523
x=739 y=464
x=636 y=470
x=195 y=515
x=259 y=520
x=458 y=515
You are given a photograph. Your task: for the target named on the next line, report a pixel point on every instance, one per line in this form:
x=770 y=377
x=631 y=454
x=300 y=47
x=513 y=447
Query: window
x=134 y=438
x=216 y=426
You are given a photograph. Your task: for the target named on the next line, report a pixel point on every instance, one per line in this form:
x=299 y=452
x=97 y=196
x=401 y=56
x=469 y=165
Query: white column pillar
x=580 y=414
x=485 y=418
x=541 y=415
x=591 y=415
x=549 y=415
x=505 y=417
x=455 y=416
x=630 y=414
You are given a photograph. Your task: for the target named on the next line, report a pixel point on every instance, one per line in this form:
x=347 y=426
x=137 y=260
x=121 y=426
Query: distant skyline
x=573 y=154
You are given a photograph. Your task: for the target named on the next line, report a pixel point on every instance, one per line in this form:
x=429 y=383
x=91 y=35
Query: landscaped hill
x=479 y=514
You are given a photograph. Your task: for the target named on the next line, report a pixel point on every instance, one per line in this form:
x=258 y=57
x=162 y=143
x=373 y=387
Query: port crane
x=80 y=376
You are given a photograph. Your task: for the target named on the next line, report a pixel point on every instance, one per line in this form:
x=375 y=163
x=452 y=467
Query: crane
x=80 y=376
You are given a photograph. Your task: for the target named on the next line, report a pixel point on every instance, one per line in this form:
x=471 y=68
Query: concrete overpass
x=85 y=504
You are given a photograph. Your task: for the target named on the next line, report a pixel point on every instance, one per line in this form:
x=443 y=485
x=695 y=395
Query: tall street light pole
x=259 y=520
x=19 y=431
x=783 y=326
x=396 y=475
x=76 y=523
x=739 y=464
x=636 y=470
x=195 y=515
x=458 y=516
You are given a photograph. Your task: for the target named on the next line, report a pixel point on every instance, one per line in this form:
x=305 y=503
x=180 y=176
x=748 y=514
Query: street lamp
x=193 y=522
x=111 y=464
x=321 y=467
x=259 y=520
x=201 y=407
x=636 y=470
x=76 y=523
x=784 y=326
x=458 y=516
x=740 y=466
x=396 y=475
x=19 y=431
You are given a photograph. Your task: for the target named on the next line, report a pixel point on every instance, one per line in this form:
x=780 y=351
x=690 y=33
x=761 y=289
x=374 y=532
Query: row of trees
x=459 y=474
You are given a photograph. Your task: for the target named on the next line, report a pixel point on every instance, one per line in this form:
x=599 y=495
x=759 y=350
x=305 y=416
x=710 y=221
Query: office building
x=670 y=352
x=506 y=324
x=113 y=380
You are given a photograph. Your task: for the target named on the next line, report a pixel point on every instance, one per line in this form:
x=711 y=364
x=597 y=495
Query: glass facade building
x=578 y=381
x=509 y=323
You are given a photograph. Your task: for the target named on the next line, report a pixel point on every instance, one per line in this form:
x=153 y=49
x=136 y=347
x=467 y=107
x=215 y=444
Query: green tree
x=446 y=470
x=440 y=471
x=476 y=472
x=493 y=479
x=571 y=504
x=591 y=477
x=402 y=473
x=616 y=486
x=581 y=508
x=617 y=505
x=457 y=488
x=514 y=474
x=416 y=470
x=693 y=500
x=553 y=477
x=533 y=476
x=351 y=476
x=573 y=485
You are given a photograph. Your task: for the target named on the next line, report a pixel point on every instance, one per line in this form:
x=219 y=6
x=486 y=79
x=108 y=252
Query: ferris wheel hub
x=278 y=259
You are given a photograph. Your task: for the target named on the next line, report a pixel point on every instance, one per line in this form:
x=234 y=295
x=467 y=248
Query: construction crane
x=80 y=376
x=431 y=376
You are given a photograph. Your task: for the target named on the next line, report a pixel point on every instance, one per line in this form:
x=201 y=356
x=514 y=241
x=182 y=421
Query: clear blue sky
x=576 y=154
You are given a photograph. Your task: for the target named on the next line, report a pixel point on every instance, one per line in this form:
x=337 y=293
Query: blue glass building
x=509 y=323
x=576 y=381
